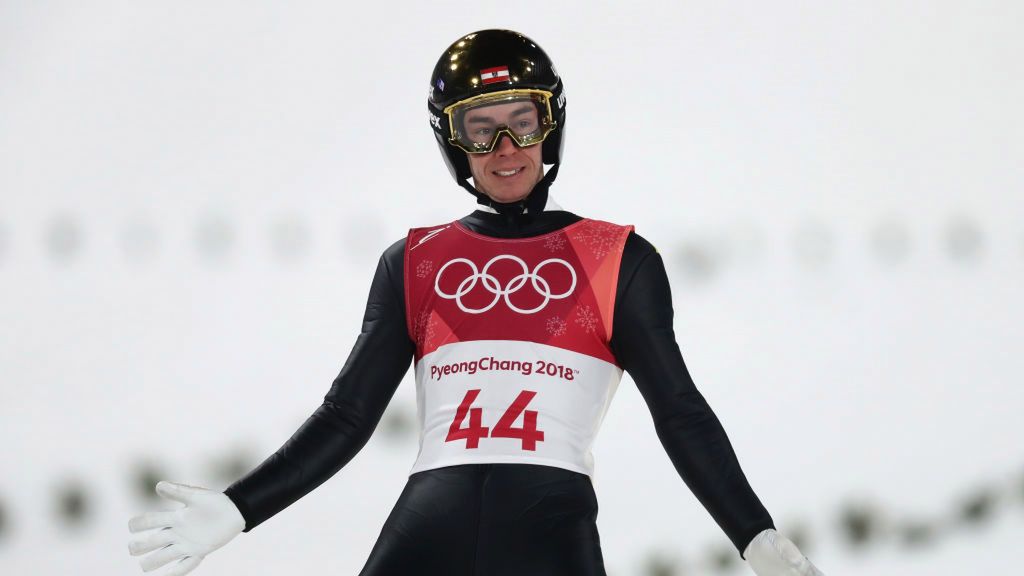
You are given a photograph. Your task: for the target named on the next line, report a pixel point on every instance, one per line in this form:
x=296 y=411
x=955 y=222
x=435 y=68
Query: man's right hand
x=184 y=536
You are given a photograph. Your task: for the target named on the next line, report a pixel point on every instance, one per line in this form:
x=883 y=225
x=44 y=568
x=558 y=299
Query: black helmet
x=490 y=65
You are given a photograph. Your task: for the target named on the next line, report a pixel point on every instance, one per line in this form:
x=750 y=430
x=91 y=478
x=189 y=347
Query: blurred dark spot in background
x=4 y=523
x=800 y=534
x=917 y=533
x=859 y=523
x=398 y=423
x=658 y=565
x=963 y=239
x=214 y=237
x=697 y=261
x=724 y=558
x=236 y=463
x=74 y=506
x=144 y=479
x=978 y=506
x=64 y=238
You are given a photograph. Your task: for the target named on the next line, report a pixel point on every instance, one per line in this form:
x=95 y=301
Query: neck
x=501 y=208
x=489 y=222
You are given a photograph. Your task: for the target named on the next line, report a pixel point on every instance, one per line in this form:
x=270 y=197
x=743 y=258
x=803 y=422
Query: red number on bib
x=504 y=429
x=475 y=431
x=528 y=433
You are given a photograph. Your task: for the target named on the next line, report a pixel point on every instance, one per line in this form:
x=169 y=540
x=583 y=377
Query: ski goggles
x=477 y=123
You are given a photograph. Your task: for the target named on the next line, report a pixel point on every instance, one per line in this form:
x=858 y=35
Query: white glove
x=186 y=535
x=772 y=554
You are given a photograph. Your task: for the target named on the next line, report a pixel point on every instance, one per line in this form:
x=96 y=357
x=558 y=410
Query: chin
x=508 y=198
x=505 y=196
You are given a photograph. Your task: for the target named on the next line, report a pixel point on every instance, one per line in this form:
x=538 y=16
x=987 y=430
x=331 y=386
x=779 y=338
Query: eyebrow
x=524 y=109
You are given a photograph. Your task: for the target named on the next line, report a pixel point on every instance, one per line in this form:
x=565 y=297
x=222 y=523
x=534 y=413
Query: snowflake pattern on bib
x=555 y=326
x=424 y=268
x=586 y=319
x=554 y=243
x=423 y=327
x=600 y=237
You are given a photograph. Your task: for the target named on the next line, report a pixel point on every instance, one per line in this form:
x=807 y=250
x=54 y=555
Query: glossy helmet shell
x=456 y=78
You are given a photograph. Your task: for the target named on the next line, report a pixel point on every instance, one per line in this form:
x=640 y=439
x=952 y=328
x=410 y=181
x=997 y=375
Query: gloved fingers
x=812 y=570
x=772 y=554
x=149 y=541
x=179 y=492
x=184 y=566
x=789 y=552
x=150 y=520
x=161 y=557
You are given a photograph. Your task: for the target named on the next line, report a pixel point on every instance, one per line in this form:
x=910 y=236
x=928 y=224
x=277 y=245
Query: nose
x=505 y=146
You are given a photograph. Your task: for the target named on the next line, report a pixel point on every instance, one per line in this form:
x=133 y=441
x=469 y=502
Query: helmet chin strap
x=533 y=203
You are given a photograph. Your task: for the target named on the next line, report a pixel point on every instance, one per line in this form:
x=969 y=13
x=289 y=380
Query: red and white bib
x=512 y=359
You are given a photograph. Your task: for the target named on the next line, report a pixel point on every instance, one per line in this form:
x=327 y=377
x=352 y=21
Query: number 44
x=503 y=429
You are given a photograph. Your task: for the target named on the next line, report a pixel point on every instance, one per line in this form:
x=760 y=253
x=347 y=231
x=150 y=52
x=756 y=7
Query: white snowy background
x=194 y=195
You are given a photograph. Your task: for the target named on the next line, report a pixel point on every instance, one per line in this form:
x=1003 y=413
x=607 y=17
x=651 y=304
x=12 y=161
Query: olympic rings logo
x=491 y=284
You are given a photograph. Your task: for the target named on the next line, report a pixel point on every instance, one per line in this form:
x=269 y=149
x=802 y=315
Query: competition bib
x=512 y=360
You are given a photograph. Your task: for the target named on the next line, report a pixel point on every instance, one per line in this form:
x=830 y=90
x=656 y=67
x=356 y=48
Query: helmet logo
x=496 y=74
x=435 y=120
x=440 y=84
x=561 y=100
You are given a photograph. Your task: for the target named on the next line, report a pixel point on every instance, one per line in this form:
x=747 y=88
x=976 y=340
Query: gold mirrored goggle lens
x=478 y=123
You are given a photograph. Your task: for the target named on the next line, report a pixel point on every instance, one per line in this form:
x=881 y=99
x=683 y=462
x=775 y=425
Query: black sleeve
x=644 y=343
x=342 y=425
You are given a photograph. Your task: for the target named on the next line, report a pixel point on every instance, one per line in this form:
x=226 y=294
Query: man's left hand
x=772 y=554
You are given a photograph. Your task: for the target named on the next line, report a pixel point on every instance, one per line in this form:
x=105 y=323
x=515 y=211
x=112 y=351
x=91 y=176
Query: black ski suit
x=506 y=519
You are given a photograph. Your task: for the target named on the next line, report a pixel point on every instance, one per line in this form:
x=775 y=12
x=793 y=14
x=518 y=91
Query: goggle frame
x=547 y=121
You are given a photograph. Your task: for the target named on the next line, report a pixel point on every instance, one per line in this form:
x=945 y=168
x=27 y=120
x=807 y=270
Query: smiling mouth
x=508 y=173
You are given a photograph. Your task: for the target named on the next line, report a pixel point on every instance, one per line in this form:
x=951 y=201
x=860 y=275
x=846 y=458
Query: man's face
x=507 y=173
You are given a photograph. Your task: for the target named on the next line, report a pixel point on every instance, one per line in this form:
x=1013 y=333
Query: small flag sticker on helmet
x=492 y=75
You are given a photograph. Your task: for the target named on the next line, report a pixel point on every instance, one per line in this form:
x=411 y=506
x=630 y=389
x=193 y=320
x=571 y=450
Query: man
x=509 y=315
